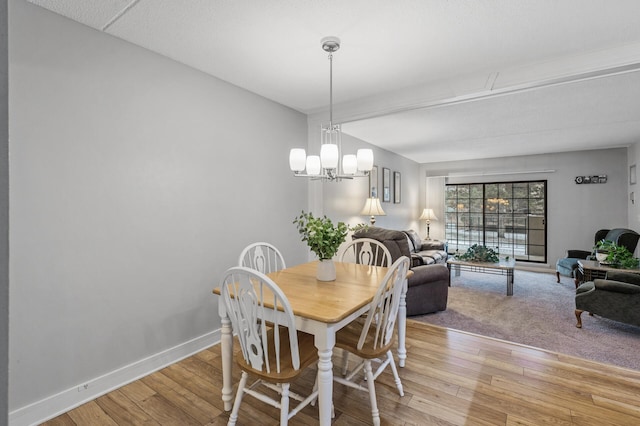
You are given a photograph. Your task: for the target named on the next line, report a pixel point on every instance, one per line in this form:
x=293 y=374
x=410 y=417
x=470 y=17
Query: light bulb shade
x=313 y=165
x=428 y=214
x=349 y=164
x=297 y=159
x=372 y=207
x=365 y=160
x=329 y=155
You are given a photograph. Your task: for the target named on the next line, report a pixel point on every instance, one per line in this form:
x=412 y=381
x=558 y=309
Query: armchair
x=617 y=297
x=568 y=265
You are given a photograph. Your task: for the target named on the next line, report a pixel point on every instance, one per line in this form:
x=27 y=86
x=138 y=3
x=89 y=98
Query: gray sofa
x=428 y=287
x=617 y=297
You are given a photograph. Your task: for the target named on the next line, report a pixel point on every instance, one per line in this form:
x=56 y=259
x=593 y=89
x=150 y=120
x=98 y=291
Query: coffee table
x=503 y=267
x=590 y=270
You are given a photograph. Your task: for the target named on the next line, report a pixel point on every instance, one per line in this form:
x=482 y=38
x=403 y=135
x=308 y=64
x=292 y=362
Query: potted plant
x=617 y=256
x=478 y=253
x=602 y=249
x=323 y=238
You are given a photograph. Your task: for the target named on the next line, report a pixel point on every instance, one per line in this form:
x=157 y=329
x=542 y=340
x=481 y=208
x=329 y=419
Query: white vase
x=326 y=270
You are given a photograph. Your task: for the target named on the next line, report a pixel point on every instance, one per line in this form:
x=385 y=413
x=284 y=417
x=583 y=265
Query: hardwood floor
x=451 y=378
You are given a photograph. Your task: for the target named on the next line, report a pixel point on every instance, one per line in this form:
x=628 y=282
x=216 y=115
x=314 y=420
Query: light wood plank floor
x=451 y=378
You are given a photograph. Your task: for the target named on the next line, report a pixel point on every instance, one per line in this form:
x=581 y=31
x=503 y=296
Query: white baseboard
x=52 y=406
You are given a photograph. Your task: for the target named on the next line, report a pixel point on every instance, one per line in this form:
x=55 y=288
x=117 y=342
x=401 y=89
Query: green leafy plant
x=478 y=253
x=321 y=235
x=604 y=246
x=617 y=256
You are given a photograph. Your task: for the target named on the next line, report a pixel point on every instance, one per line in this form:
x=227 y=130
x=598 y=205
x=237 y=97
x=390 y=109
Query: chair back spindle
x=259 y=310
x=381 y=317
x=366 y=251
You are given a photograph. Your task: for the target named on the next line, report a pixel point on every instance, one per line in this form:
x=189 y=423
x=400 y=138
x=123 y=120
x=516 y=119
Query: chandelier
x=331 y=165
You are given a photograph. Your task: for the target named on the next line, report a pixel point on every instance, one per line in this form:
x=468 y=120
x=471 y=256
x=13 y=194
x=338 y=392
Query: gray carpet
x=540 y=313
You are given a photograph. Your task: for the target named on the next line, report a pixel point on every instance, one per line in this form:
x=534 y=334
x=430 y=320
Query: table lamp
x=428 y=215
x=373 y=208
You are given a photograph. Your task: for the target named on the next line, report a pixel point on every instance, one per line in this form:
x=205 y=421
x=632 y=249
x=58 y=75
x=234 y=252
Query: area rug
x=540 y=313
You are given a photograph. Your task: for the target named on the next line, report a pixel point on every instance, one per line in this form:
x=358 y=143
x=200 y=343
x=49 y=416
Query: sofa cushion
x=415 y=242
x=626 y=277
x=438 y=256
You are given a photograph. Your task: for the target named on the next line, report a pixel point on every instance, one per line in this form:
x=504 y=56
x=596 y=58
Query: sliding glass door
x=507 y=216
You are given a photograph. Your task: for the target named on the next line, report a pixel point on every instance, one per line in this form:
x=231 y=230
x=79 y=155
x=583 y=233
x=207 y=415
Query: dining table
x=320 y=308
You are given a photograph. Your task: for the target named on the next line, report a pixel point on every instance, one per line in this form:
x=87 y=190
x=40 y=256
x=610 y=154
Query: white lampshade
x=365 y=160
x=297 y=159
x=372 y=207
x=329 y=155
x=349 y=164
x=428 y=214
x=313 y=165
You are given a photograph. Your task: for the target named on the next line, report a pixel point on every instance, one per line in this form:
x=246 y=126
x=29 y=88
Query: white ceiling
x=432 y=80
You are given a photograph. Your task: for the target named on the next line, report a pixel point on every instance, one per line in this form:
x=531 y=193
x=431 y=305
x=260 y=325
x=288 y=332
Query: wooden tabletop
x=597 y=266
x=328 y=301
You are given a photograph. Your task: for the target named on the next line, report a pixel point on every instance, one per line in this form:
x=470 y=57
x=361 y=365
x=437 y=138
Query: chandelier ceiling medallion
x=330 y=163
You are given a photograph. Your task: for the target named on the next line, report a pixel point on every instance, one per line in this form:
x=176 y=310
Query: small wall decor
x=591 y=179
x=397 y=188
x=386 y=185
x=632 y=174
x=373 y=182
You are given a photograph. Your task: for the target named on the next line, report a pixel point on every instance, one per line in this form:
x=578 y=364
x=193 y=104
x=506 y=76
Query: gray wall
x=344 y=201
x=4 y=217
x=574 y=212
x=136 y=181
x=634 y=207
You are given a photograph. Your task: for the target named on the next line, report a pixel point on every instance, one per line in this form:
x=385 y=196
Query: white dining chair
x=273 y=350
x=365 y=251
x=370 y=338
x=263 y=257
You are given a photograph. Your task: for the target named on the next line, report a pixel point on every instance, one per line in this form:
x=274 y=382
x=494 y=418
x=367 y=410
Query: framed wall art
x=373 y=182
x=397 y=188
x=386 y=185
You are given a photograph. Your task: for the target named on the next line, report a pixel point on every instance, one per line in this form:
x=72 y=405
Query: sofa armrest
x=428 y=273
x=416 y=260
x=578 y=254
x=616 y=286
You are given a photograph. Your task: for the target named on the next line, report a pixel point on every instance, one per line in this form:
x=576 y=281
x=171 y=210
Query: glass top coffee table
x=503 y=267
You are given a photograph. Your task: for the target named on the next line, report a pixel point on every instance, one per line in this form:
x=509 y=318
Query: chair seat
x=308 y=355
x=567 y=266
x=347 y=338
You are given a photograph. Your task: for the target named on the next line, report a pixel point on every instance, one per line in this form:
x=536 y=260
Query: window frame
x=508 y=215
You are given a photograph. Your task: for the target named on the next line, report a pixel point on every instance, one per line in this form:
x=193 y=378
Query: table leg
x=325 y=344
x=402 y=325
x=226 y=348
x=509 y=282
